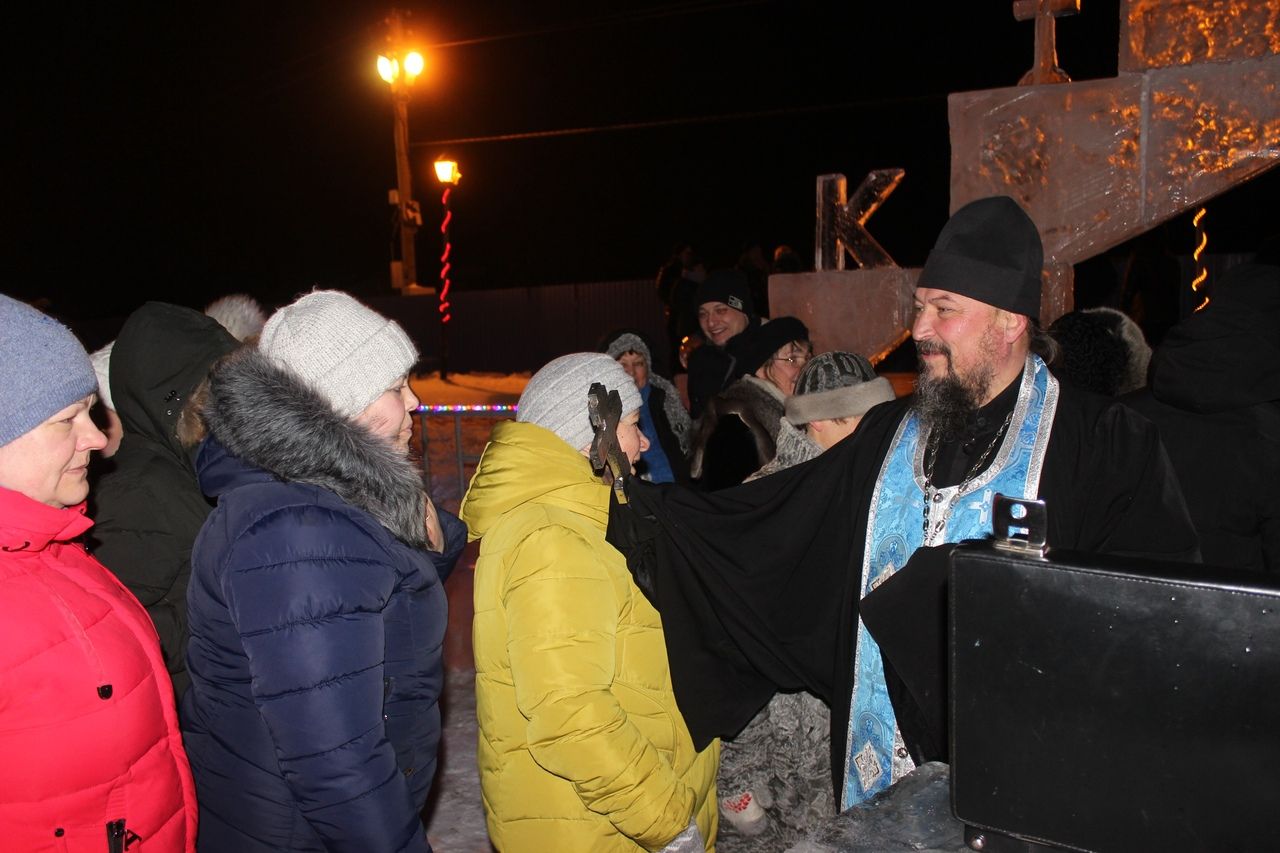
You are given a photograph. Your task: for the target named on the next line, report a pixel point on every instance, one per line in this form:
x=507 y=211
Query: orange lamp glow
x=413 y=64
x=388 y=69
x=447 y=172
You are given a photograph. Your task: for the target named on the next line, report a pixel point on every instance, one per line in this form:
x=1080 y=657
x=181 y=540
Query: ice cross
x=1045 y=12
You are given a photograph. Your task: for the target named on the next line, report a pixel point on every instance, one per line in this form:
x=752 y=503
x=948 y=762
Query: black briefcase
x=1108 y=704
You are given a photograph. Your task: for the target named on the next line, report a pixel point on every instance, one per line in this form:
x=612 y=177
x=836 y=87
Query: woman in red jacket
x=93 y=760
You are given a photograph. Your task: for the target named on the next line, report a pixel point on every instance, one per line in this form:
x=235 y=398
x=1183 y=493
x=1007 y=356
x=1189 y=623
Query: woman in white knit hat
x=582 y=746
x=317 y=615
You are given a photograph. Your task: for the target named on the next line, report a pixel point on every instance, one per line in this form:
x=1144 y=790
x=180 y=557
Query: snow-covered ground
x=469 y=388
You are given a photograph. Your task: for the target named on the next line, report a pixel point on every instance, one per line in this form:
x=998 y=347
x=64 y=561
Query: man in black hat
x=726 y=316
x=761 y=586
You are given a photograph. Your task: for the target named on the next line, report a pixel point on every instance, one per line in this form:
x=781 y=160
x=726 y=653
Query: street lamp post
x=447 y=173
x=399 y=68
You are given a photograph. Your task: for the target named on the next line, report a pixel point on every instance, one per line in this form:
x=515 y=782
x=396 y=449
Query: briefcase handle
x=1020 y=525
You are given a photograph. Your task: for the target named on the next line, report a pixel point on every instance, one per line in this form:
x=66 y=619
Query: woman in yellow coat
x=581 y=745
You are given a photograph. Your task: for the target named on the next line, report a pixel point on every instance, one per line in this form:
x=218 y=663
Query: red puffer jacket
x=92 y=756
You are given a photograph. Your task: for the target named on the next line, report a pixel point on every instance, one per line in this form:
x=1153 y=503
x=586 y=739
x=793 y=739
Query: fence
x=440 y=472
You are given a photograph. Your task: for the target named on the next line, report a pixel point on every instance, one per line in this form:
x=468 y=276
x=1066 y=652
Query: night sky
x=180 y=154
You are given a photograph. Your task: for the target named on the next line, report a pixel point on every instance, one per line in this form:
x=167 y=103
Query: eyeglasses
x=791 y=359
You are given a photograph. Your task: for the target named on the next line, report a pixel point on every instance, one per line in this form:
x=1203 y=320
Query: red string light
x=445 y=266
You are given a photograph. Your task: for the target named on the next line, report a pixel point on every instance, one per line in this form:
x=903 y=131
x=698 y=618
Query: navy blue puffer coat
x=315 y=656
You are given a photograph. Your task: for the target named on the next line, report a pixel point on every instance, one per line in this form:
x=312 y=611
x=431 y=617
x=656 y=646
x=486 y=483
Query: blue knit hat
x=43 y=369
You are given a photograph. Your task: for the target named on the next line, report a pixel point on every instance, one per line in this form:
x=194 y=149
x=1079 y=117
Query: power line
x=675 y=122
x=652 y=13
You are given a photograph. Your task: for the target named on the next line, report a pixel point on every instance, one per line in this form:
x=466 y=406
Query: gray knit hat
x=628 y=342
x=836 y=385
x=346 y=351
x=43 y=369
x=556 y=396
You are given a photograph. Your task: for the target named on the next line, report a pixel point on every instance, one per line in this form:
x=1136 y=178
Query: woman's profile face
x=50 y=463
x=784 y=366
x=390 y=416
x=631 y=439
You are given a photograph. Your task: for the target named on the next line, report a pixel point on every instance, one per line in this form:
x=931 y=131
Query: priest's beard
x=946 y=402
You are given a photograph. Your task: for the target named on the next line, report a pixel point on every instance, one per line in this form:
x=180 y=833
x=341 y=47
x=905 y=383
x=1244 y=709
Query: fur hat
x=43 y=369
x=990 y=251
x=768 y=338
x=728 y=286
x=556 y=396
x=101 y=361
x=346 y=351
x=239 y=314
x=836 y=385
x=1102 y=350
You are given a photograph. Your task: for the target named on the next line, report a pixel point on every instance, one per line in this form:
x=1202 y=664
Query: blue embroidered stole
x=875 y=754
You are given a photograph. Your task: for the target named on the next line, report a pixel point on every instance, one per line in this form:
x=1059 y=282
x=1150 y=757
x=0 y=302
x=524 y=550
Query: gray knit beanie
x=43 y=369
x=344 y=350
x=629 y=342
x=836 y=385
x=556 y=396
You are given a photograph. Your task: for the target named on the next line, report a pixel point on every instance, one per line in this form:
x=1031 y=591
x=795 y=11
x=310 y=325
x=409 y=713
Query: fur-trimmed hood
x=677 y=417
x=267 y=418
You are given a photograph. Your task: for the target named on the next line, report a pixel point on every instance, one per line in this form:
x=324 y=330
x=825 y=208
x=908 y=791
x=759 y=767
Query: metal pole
x=404 y=187
x=426 y=455
x=457 y=444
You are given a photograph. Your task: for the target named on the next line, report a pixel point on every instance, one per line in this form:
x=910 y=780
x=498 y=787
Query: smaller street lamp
x=446 y=173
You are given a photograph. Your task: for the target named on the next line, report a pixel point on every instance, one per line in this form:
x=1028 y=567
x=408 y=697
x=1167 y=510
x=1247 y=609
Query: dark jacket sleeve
x=455 y=539
x=145 y=521
x=306 y=587
x=1109 y=485
x=753 y=583
x=729 y=454
x=710 y=369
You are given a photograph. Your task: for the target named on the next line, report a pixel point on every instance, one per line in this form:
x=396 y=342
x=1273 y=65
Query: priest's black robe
x=758 y=585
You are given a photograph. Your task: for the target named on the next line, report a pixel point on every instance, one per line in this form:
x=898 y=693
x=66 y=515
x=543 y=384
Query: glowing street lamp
x=446 y=173
x=399 y=68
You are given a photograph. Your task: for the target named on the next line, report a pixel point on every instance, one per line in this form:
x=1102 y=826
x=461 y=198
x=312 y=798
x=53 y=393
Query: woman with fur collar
x=738 y=431
x=317 y=614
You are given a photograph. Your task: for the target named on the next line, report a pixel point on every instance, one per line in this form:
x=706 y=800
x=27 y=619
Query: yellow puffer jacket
x=581 y=745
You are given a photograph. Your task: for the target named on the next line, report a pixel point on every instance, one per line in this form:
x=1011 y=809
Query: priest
x=761 y=586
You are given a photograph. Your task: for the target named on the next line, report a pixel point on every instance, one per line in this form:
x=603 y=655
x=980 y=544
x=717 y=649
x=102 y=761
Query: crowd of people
x=235 y=642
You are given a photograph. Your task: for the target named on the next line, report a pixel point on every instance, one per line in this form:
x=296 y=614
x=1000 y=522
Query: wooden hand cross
x=607 y=459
